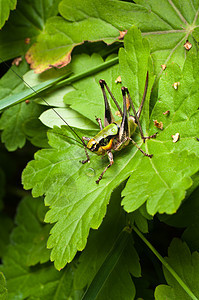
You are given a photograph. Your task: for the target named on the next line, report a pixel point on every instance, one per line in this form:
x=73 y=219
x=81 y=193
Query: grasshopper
x=116 y=134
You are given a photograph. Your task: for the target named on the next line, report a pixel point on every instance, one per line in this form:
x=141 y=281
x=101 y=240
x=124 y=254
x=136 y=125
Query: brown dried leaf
x=187 y=45
x=175 y=137
x=17 y=61
x=122 y=34
x=157 y=124
x=166 y=113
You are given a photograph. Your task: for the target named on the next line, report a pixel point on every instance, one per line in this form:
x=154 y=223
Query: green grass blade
x=55 y=83
x=167 y=266
x=108 y=265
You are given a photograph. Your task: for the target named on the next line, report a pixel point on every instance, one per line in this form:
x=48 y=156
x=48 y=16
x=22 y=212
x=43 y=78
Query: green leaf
x=30 y=233
x=108 y=265
x=27 y=247
x=187 y=215
x=167 y=25
x=78 y=204
x=2 y=187
x=49 y=118
x=27 y=21
x=13 y=119
x=3 y=289
x=5 y=11
x=79 y=22
x=94 y=257
x=36 y=132
x=12 y=122
x=10 y=84
x=179 y=159
x=86 y=98
x=186 y=266
x=6 y=225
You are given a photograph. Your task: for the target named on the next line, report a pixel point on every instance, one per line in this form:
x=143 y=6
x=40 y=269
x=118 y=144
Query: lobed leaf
x=23 y=26
x=27 y=248
x=6 y=225
x=166 y=177
x=3 y=289
x=5 y=11
x=166 y=26
x=78 y=204
x=94 y=257
x=186 y=266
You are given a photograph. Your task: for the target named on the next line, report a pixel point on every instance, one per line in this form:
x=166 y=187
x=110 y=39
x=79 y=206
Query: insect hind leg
x=153 y=136
x=136 y=116
x=145 y=154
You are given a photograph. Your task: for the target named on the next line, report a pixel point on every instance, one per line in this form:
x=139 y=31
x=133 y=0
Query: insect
x=116 y=134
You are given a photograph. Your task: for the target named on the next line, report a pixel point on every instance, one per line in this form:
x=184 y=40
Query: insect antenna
x=75 y=133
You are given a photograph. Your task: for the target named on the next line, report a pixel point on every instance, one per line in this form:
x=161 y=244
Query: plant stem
x=92 y=71
x=167 y=266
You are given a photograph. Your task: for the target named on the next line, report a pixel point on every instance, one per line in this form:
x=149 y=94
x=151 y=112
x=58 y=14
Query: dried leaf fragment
x=163 y=67
x=118 y=79
x=187 y=45
x=175 y=137
x=166 y=113
x=122 y=34
x=17 y=61
x=158 y=124
x=27 y=41
x=176 y=85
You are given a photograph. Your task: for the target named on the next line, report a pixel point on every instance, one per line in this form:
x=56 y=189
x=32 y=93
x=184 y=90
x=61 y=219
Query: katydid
x=116 y=134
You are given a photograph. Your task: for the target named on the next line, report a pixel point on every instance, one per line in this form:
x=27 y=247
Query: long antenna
x=82 y=142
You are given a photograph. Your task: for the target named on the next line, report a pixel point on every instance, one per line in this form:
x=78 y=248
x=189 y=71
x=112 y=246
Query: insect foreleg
x=84 y=138
x=110 y=157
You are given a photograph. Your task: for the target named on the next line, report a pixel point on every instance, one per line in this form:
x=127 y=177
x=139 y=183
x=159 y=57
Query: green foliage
x=187 y=266
x=54 y=168
x=3 y=289
x=110 y=238
x=93 y=231
x=27 y=248
x=7 y=6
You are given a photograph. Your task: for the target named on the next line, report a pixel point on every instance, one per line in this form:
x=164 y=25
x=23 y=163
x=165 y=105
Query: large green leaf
x=186 y=266
x=27 y=248
x=78 y=204
x=163 y=191
x=31 y=233
x=6 y=6
x=2 y=188
x=167 y=25
x=110 y=274
x=3 y=288
x=26 y=22
x=6 y=225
